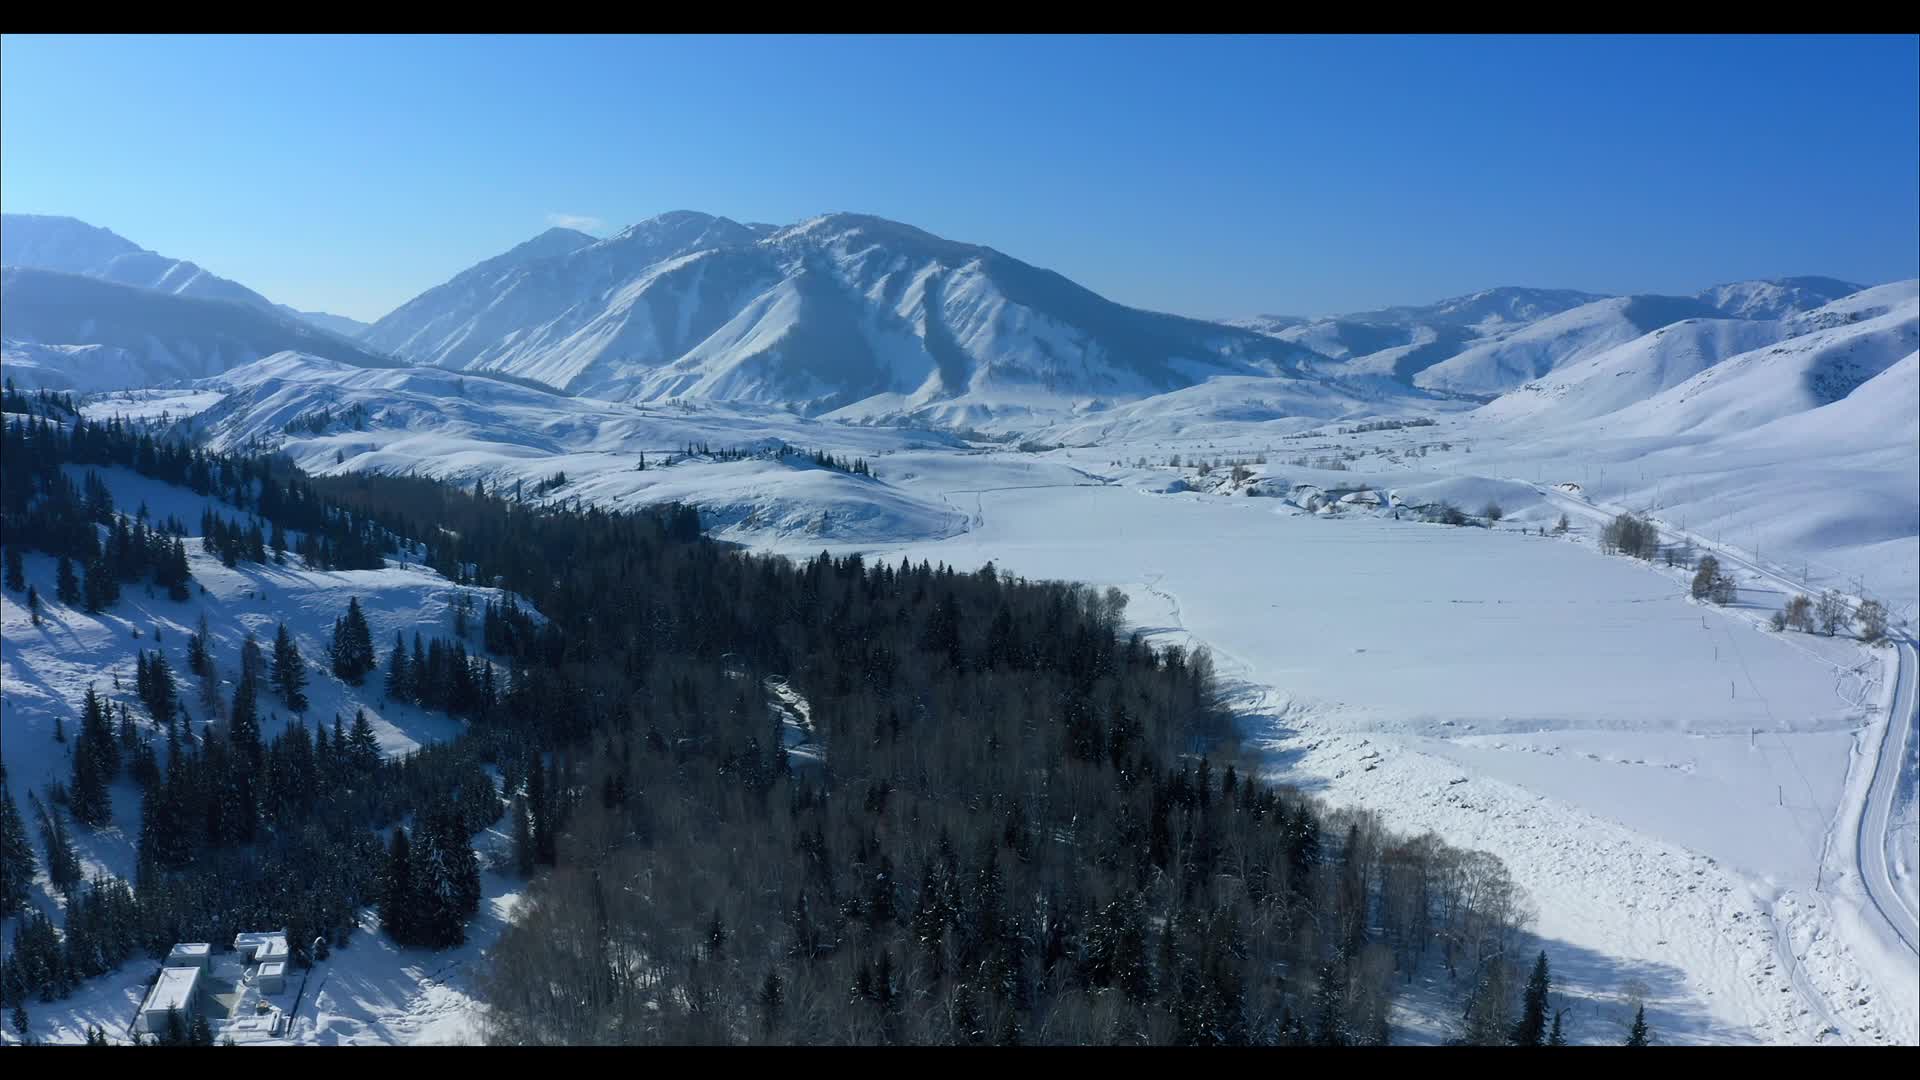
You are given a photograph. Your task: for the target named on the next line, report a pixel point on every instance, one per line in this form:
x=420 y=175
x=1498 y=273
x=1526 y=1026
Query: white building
x=193 y=954
x=272 y=977
x=177 y=988
x=262 y=946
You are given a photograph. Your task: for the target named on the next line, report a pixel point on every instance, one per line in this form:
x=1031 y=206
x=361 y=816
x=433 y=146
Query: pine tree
x=163 y=694
x=33 y=604
x=200 y=1034
x=1554 y=1038
x=522 y=839
x=1638 y=1036
x=94 y=763
x=63 y=863
x=16 y=569
x=101 y=589
x=397 y=891
x=398 y=682
x=20 y=1017
x=362 y=748
x=66 y=587
x=197 y=643
x=17 y=865
x=243 y=726
x=1531 y=1027
x=446 y=878
x=289 y=671
x=253 y=660
x=352 y=650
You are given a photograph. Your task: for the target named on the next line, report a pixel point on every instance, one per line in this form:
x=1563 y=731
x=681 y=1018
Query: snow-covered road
x=1872 y=836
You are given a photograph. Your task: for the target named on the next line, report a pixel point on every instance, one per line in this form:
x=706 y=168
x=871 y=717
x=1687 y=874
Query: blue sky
x=1207 y=176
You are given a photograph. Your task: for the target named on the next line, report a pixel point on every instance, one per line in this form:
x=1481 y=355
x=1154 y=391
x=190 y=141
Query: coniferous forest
x=999 y=818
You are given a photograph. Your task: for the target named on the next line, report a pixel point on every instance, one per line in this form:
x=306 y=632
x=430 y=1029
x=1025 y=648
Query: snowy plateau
x=1707 y=814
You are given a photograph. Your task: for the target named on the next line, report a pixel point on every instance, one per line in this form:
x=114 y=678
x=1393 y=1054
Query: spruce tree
x=1531 y=1028
x=17 y=865
x=398 y=682
x=66 y=587
x=253 y=660
x=33 y=604
x=363 y=749
x=88 y=796
x=63 y=863
x=163 y=695
x=289 y=671
x=352 y=651
x=1554 y=1038
x=100 y=590
x=1638 y=1036
x=522 y=839
x=397 y=898
x=16 y=569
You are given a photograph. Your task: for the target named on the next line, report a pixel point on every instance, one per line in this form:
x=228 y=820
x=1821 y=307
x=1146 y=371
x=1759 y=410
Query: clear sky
x=1206 y=176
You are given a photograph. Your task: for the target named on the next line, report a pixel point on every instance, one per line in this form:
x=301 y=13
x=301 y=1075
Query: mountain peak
x=57 y=242
x=1775 y=298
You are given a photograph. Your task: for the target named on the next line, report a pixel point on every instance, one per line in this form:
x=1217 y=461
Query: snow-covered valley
x=1707 y=814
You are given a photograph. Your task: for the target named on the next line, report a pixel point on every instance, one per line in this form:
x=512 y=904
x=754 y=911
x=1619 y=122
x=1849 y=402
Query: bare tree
x=1705 y=576
x=1831 y=612
x=1798 y=614
x=1872 y=620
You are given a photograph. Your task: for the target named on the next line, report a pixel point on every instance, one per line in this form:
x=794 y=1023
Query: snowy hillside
x=466 y=427
x=1509 y=359
x=842 y=312
x=372 y=991
x=1764 y=384
x=70 y=332
x=1632 y=371
x=1493 y=340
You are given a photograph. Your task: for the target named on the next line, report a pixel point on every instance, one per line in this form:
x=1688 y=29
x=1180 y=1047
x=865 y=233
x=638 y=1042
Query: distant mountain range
x=852 y=317
x=843 y=315
x=72 y=246
x=1496 y=340
x=71 y=332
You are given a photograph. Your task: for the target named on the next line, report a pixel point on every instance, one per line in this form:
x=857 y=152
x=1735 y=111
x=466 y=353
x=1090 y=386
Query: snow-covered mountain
x=1501 y=362
x=68 y=332
x=1805 y=371
x=1778 y=298
x=1494 y=340
x=338 y=324
x=71 y=246
x=845 y=312
x=1485 y=312
x=1648 y=366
